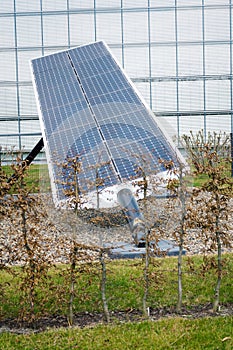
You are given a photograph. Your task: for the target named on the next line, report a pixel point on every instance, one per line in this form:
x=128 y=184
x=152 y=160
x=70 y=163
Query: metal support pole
x=133 y=215
x=27 y=161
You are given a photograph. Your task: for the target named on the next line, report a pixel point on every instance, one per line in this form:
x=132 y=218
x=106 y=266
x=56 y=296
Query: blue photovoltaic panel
x=88 y=107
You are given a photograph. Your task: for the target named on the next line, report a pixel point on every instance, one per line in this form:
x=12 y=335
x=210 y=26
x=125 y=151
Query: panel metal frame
x=120 y=160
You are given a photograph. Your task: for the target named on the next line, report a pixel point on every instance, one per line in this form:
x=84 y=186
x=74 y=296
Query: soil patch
x=88 y=319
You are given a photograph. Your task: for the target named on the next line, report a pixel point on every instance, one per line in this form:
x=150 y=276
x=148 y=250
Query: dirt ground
x=87 y=319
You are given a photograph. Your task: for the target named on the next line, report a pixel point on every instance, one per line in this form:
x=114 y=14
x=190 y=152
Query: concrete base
x=124 y=250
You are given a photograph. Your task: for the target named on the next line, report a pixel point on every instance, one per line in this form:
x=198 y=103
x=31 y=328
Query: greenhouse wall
x=178 y=53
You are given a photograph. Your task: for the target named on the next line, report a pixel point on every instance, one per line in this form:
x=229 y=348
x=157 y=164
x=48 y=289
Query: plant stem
x=103 y=286
x=219 y=245
x=219 y=280
x=146 y=278
x=72 y=284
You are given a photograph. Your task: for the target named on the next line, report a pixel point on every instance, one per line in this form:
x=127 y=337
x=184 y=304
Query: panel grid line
x=90 y=109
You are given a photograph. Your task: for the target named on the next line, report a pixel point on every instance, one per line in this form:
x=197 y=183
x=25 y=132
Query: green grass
x=177 y=333
x=200 y=179
x=124 y=291
x=124 y=287
x=36 y=176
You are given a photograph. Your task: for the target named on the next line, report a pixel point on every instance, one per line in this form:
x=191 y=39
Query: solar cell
x=90 y=108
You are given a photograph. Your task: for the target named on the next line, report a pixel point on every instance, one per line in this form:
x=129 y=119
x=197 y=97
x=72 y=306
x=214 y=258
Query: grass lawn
x=124 y=286
x=36 y=176
x=124 y=291
x=176 y=333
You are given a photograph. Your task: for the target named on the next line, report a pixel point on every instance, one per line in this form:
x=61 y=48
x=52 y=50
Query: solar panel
x=90 y=108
